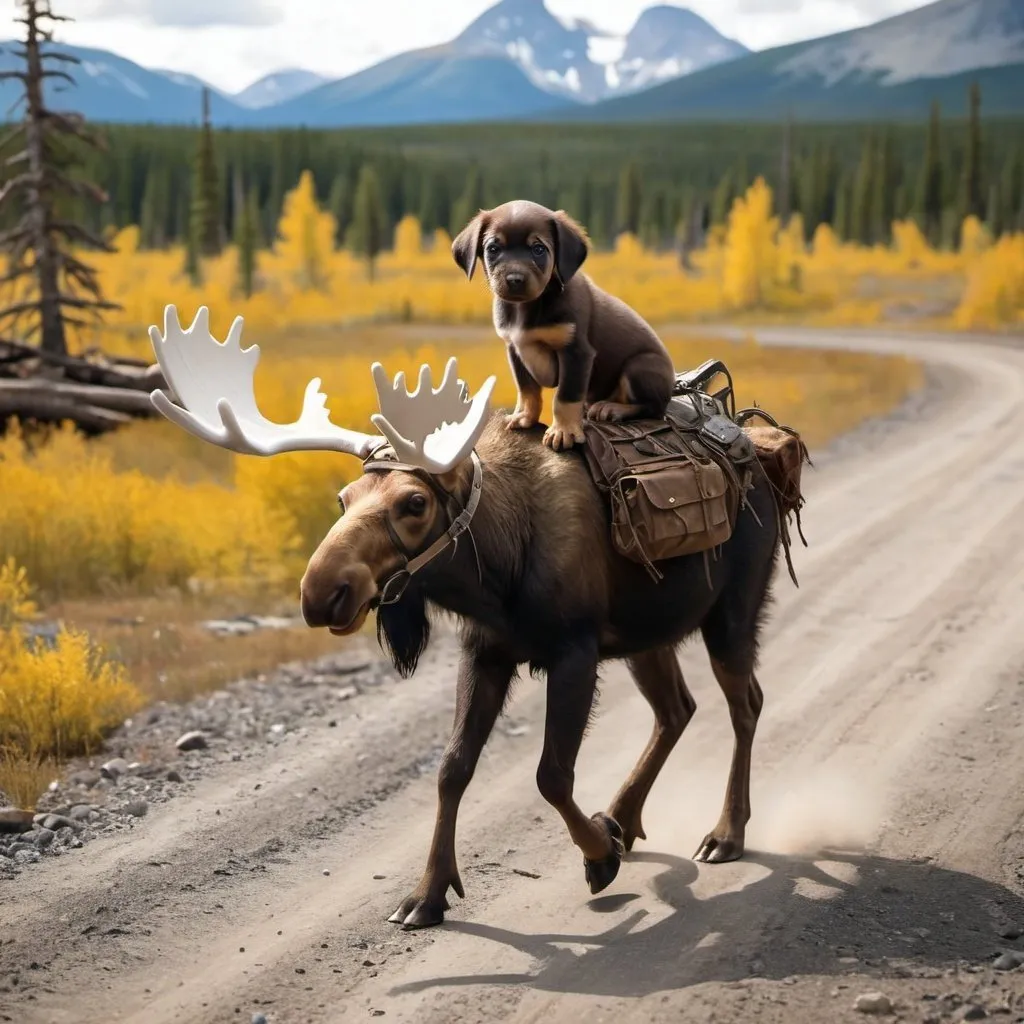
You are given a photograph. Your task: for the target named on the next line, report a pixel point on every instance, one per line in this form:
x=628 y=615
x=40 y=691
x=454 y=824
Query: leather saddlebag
x=667 y=497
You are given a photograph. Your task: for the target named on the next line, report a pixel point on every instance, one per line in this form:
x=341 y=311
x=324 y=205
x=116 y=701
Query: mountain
x=423 y=86
x=893 y=68
x=278 y=87
x=111 y=88
x=517 y=61
x=578 y=60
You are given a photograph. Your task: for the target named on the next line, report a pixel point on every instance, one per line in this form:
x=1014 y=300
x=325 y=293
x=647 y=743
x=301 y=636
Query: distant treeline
x=663 y=182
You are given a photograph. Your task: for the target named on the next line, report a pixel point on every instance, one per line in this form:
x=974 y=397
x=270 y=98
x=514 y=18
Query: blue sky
x=231 y=43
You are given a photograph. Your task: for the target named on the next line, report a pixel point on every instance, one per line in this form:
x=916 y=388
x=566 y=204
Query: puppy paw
x=610 y=412
x=561 y=436
x=520 y=420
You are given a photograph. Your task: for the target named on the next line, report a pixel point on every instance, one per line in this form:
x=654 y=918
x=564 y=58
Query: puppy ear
x=571 y=245
x=466 y=246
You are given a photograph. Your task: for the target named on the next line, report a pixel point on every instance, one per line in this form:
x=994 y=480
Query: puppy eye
x=539 y=249
x=492 y=248
x=416 y=505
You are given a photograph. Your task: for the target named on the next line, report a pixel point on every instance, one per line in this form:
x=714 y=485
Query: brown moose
x=456 y=512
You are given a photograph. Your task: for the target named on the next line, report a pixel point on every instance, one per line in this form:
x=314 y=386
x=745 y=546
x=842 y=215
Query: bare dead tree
x=41 y=244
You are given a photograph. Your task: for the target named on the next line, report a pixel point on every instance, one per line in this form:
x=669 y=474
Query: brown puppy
x=560 y=329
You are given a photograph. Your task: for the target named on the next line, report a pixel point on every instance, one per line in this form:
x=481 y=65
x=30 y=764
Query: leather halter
x=383 y=460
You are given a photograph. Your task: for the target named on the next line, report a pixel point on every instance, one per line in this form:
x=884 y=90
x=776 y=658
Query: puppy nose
x=515 y=281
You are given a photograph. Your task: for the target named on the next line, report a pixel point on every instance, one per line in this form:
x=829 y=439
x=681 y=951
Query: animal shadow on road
x=799 y=918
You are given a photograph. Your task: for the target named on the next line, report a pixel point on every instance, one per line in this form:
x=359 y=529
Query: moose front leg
x=572 y=680
x=484 y=679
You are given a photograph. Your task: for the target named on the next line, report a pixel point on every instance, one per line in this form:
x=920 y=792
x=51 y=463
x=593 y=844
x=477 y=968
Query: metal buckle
x=395 y=586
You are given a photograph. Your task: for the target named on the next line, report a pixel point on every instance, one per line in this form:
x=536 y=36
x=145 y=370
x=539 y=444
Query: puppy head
x=523 y=247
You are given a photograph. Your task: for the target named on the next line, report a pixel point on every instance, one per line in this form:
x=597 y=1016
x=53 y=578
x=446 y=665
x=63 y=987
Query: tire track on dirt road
x=892 y=738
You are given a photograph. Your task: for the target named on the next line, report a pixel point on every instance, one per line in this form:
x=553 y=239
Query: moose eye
x=416 y=505
x=539 y=249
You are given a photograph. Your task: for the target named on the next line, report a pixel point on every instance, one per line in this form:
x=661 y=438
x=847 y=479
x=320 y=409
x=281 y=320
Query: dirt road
x=885 y=853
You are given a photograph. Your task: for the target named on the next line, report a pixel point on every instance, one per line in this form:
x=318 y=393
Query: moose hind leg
x=743 y=693
x=659 y=678
x=572 y=682
x=483 y=684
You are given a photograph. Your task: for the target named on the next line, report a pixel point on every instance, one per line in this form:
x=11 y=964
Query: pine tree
x=972 y=198
x=1011 y=191
x=153 y=214
x=628 y=200
x=368 y=232
x=39 y=244
x=931 y=187
x=786 y=175
x=882 y=196
x=339 y=203
x=205 y=220
x=861 y=219
x=842 y=217
x=246 y=231
x=432 y=209
x=721 y=202
x=469 y=203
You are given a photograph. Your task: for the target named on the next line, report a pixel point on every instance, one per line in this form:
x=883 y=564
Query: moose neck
x=477 y=580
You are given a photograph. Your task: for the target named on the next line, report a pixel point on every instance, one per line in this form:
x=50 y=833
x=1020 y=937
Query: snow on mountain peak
x=576 y=57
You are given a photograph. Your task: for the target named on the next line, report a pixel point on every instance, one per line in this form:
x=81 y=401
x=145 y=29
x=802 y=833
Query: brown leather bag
x=668 y=496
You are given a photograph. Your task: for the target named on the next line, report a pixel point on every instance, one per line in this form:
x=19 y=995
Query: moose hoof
x=601 y=873
x=420 y=913
x=631 y=832
x=715 y=850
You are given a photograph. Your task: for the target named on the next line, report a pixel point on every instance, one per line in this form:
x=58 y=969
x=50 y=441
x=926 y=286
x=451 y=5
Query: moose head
x=413 y=469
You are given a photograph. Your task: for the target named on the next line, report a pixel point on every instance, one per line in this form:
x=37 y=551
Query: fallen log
x=92 y=407
x=24 y=361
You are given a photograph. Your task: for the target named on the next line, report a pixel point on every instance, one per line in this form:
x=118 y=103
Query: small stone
x=258 y=1018
x=85 y=777
x=194 y=740
x=376 y=1013
x=26 y=857
x=137 y=808
x=277 y=729
x=379 y=878
x=973 y=1012
x=58 y=821
x=1008 y=961
x=326 y=872
x=873 y=1002
x=80 y=812
x=114 y=769
x=44 y=838
x=1011 y=931
x=174 y=776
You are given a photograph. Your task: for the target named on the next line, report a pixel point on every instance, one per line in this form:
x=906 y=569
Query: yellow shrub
x=54 y=701
x=995 y=287
x=80 y=526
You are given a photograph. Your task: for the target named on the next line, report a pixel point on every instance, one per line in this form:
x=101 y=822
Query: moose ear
x=466 y=246
x=571 y=245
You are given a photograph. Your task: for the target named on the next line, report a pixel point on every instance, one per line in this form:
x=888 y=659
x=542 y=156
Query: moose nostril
x=337 y=606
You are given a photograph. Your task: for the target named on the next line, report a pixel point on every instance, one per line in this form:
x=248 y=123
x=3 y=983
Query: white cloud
x=231 y=43
x=184 y=13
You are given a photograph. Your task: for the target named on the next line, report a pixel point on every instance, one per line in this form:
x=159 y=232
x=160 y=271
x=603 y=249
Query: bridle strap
x=458 y=525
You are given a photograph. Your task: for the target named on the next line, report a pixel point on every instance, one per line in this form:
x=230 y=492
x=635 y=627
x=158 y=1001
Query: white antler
x=432 y=429
x=214 y=384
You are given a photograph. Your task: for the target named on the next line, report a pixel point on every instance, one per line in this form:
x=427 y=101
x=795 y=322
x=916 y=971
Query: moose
x=453 y=511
